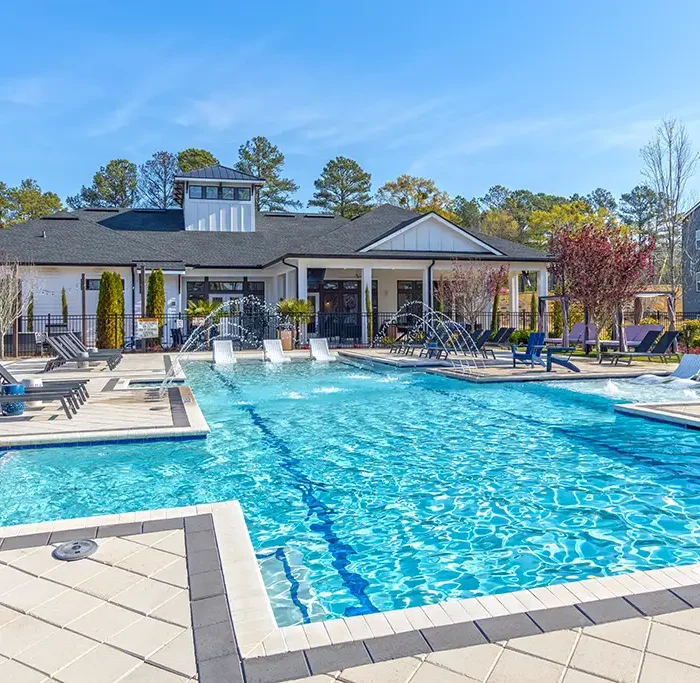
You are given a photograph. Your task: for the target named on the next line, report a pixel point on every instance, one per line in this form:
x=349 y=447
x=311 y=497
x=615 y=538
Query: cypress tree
x=110 y=312
x=30 y=314
x=155 y=297
x=533 y=311
x=64 y=306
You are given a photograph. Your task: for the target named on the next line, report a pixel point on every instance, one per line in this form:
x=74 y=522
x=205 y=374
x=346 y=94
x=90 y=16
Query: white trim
x=214 y=181
x=441 y=220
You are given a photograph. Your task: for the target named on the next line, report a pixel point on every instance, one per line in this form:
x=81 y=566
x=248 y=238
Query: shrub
x=533 y=311
x=690 y=333
x=110 y=312
x=519 y=337
x=556 y=319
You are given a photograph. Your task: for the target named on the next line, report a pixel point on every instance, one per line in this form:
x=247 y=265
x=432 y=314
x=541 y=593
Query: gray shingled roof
x=128 y=236
x=218 y=172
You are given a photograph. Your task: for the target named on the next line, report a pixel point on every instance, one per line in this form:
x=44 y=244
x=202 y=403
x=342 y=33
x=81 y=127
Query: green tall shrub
x=30 y=314
x=155 y=297
x=64 y=306
x=370 y=317
x=533 y=311
x=557 y=319
x=110 y=312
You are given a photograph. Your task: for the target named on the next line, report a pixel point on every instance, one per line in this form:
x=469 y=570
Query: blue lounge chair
x=533 y=351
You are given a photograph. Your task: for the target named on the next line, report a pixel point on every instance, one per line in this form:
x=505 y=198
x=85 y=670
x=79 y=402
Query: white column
x=542 y=282
x=366 y=283
x=427 y=285
x=301 y=284
x=514 y=296
x=289 y=284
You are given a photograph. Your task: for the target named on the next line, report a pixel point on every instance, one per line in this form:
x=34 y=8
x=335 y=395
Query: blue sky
x=551 y=96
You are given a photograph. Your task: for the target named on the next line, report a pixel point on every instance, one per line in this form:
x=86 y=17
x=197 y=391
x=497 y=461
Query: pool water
x=367 y=489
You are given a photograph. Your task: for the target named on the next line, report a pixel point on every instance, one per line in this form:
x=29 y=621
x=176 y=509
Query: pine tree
x=64 y=306
x=343 y=188
x=260 y=158
x=192 y=159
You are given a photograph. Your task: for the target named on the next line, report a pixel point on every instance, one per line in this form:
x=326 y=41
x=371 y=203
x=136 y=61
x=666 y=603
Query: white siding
x=218 y=216
x=431 y=235
x=51 y=280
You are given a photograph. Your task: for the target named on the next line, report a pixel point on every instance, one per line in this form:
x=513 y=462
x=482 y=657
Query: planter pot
x=12 y=408
x=286 y=337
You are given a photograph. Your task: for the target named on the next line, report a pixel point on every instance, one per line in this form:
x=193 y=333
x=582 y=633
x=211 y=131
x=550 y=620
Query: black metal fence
x=343 y=330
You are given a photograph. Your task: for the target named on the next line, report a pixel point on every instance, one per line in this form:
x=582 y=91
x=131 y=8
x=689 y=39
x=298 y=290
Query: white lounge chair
x=684 y=375
x=272 y=351
x=318 y=349
x=222 y=352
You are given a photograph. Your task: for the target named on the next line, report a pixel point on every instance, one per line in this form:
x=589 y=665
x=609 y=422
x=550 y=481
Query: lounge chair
x=634 y=334
x=661 y=349
x=76 y=345
x=222 y=352
x=69 y=407
x=643 y=347
x=501 y=340
x=318 y=350
x=684 y=375
x=66 y=353
x=577 y=335
x=479 y=342
x=272 y=351
x=79 y=386
x=533 y=351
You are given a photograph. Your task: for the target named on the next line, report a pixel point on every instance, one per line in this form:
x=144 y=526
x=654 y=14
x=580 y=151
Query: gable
x=432 y=234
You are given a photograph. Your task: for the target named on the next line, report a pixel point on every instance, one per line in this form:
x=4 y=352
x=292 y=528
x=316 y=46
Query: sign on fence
x=147 y=328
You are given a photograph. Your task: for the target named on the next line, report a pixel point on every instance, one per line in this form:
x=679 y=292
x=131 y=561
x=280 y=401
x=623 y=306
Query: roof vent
x=43 y=234
x=61 y=216
x=319 y=215
x=105 y=210
x=280 y=215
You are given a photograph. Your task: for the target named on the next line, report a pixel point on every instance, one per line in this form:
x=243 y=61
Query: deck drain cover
x=75 y=550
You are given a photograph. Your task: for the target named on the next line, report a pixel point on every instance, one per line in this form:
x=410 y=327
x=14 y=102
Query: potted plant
x=294 y=312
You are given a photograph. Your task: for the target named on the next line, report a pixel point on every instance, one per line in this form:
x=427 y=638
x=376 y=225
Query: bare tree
x=669 y=162
x=17 y=282
x=157 y=180
x=469 y=289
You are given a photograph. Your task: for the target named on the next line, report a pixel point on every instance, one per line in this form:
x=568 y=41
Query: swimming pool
x=368 y=489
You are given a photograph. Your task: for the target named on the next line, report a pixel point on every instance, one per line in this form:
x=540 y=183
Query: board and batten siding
x=431 y=235
x=204 y=215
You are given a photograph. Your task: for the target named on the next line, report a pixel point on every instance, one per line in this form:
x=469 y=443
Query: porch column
x=543 y=290
x=366 y=282
x=514 y=297
x=301 y=284
x=289 y=284
x=427 y=286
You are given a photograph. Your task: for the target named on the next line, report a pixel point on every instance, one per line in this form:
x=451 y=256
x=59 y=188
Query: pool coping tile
x=234 y=644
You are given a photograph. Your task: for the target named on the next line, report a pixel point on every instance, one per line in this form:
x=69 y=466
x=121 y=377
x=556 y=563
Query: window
x=195 y=291
x=697 y=280
x=408 y=290
x=239 y=194
x=697 y=239
x=226 y=287
x=94 y=285
x=257 y=288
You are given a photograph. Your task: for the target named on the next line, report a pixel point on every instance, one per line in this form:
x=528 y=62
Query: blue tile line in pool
x=341 y=552
x=294 y=585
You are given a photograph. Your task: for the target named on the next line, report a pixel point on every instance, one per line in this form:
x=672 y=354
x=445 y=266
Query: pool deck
x=115 y=411
x=176 y=594
x=501 y=368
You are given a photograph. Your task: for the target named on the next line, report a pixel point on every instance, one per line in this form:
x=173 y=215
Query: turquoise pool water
x=369 y=489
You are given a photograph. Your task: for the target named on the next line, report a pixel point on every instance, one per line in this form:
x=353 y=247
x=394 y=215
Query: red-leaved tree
x=601 y=266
